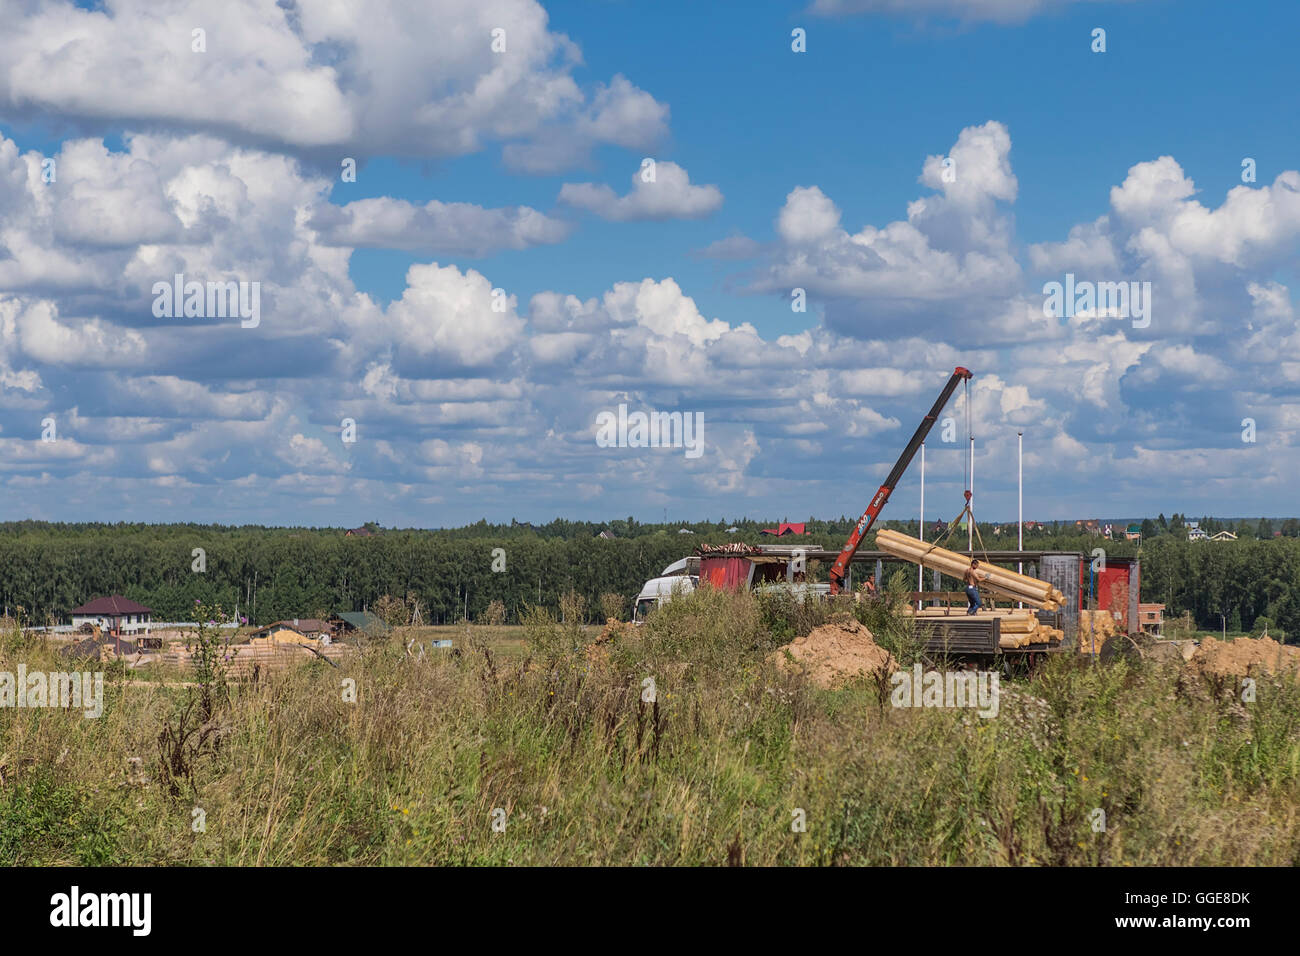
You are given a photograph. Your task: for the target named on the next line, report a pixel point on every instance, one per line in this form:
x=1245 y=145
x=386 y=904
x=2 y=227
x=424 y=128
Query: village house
x=352 y=622
x=114 y=614
x=1151 y=619
x=1133 y=533
x=784 y=528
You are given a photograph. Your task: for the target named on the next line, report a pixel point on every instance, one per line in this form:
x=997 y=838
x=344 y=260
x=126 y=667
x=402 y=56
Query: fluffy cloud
x=405 y=77
x=950 y=264
x=464 y=395
x=436 y=227
x=670 y=195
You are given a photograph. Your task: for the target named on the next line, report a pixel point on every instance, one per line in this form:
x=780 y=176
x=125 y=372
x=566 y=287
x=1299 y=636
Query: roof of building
x=362 y=532
x=785 y=527
x=364 y=621
x=112 y=606
x=303 y=625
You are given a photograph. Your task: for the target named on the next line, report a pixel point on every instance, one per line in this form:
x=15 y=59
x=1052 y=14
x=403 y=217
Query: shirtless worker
x=973 y=577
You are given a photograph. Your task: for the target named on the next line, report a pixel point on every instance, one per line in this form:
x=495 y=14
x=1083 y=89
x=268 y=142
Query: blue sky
x=815 y=168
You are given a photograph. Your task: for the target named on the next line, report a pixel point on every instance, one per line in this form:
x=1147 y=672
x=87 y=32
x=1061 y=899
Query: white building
x=114 y=614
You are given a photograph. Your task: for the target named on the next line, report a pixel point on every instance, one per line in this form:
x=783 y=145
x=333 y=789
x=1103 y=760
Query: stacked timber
x=1018 y=627
x=1009 y=584
x=243 y=661
x=1095 y=629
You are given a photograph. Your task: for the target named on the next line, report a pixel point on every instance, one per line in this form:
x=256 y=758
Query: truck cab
x=680 y=577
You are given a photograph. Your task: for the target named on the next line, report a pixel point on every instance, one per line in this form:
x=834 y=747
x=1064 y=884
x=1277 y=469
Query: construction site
x=1016 y=607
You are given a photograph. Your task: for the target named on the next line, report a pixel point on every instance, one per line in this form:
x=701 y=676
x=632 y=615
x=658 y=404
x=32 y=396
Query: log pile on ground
x=1019 y=627
x=1008 y=584
x=243 y=661
x=1095 y=629
x=835 y=654
x=1245 y=657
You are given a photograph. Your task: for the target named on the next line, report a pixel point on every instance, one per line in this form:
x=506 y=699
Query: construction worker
x=972 y=577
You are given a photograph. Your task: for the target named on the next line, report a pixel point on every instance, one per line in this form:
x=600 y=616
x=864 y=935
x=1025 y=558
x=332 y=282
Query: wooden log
x=893 y=541
x=955 y=565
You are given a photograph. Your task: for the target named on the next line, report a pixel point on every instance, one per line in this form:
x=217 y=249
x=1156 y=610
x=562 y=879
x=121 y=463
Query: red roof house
x=785 y=528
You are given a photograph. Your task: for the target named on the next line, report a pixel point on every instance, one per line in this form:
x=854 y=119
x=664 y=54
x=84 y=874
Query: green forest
x=266 y=574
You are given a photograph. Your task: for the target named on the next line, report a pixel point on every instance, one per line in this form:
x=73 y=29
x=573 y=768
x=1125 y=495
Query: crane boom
x=841 y=565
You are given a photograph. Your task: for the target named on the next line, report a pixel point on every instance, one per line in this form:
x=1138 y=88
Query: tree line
x=268 y=574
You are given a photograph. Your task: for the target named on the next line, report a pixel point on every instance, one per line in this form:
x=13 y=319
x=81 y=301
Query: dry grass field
x=535 y=745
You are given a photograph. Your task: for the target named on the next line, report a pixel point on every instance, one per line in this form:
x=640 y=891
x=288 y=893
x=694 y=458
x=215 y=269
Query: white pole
x=920 y=568
x=1020 y=495
x=970 y=525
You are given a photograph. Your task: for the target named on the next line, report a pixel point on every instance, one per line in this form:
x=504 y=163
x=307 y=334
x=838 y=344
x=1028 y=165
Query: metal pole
x=920 y=568
x=970 y=527
x=1020 y=500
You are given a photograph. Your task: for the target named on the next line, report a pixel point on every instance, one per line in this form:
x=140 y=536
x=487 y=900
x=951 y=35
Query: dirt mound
x=834 y=654
x=1244 y=656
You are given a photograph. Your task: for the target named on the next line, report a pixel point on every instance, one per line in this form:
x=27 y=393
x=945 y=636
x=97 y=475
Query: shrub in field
x=612 y=606
x=494 y=615
x=573 y=608
x=391 y=610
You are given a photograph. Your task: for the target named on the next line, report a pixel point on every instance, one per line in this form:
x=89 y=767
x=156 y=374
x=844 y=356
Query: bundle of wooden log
x=1009 y=584
x=1095 y=629
x=1018 y=627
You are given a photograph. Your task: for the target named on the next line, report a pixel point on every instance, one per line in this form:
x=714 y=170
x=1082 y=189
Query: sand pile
x=835 y=654
x=1244 y=656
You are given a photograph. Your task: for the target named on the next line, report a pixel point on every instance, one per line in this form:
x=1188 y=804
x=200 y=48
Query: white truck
x=680 y=577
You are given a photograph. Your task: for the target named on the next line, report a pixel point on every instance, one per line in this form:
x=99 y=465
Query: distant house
x=1029 y=525
x=1089 y=525
x=685 y=531
x=1133 y=533
x=295 y=631
x=114 y=614
x=1195 y=532
x=362 y=532
x=784 y=528
x=350 y=622
x=1151 y=618
x=607 y=535
x=733 y=531
x=1223 y=536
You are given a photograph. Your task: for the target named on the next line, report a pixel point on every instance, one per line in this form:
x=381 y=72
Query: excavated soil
x=835 y=654
x=1244 y=656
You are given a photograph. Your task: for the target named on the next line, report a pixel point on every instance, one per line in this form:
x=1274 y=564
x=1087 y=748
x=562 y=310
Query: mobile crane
x=841 y=565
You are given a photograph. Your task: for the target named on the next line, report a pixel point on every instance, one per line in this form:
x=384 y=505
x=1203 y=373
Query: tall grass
x=711 y=768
